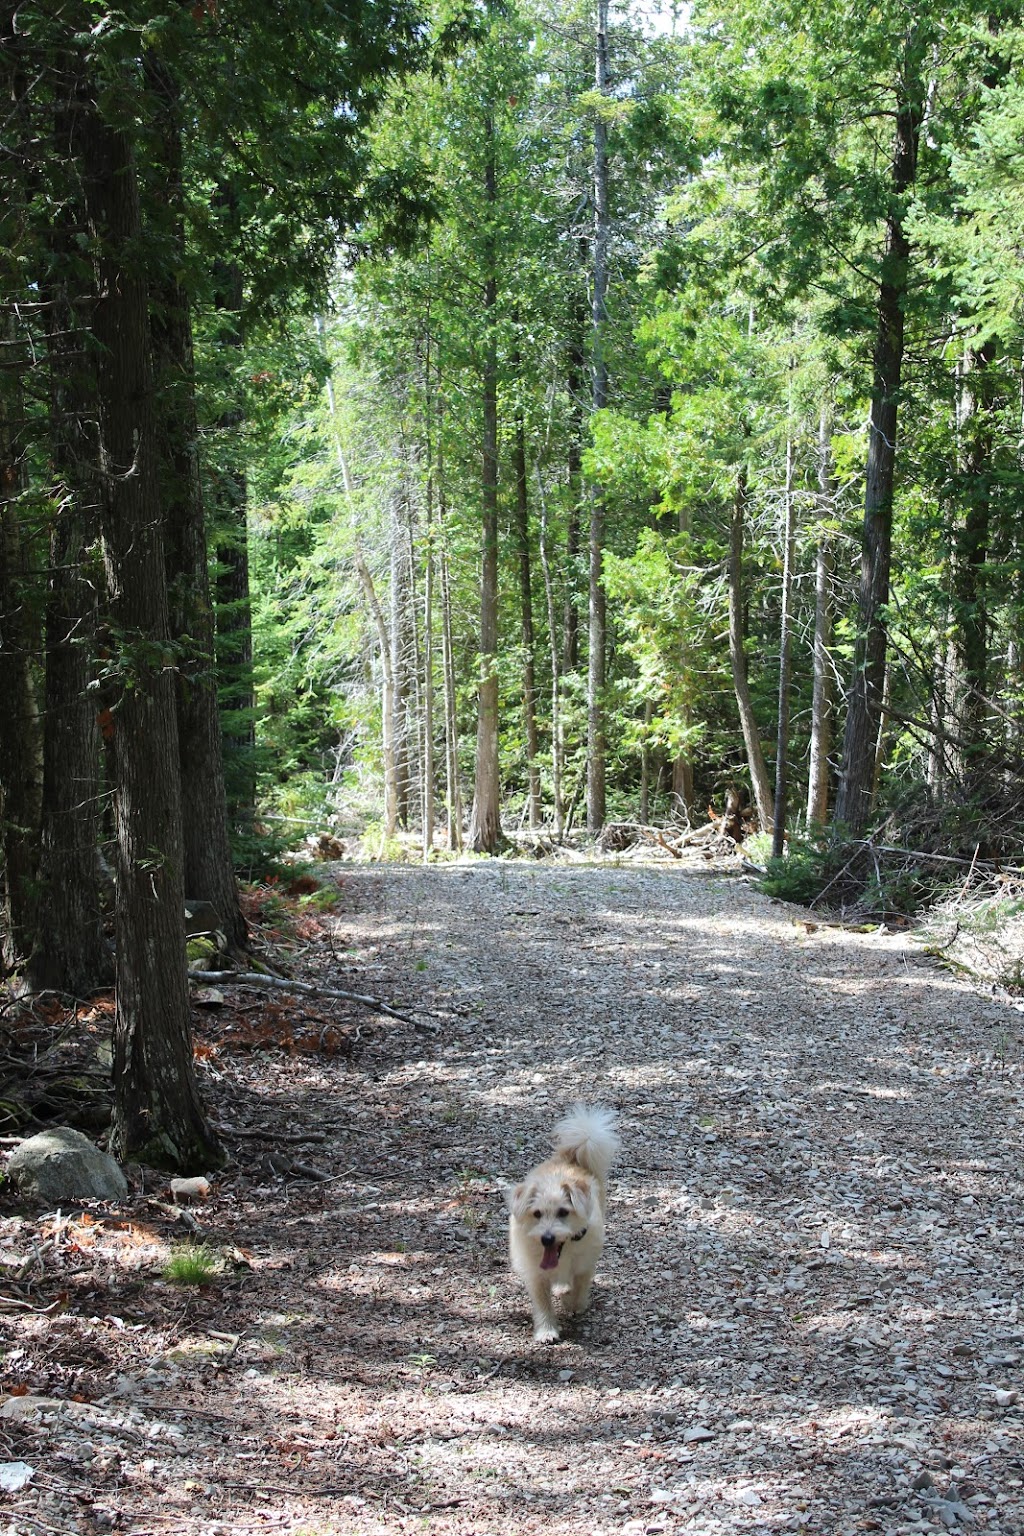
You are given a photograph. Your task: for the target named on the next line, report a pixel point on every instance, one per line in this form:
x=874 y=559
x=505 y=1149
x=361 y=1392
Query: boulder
x=61 y=1166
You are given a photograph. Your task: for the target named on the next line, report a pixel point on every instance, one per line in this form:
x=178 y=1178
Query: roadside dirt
x=808 y=1317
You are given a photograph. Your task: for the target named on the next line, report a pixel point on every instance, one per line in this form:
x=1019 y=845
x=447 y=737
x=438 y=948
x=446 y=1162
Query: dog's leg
x=578 y=1299
x=545 y=1325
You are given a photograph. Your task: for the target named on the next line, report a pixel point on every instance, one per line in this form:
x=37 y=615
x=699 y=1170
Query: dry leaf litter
x=807 y=1317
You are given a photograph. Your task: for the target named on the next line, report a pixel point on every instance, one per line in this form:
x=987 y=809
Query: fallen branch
x=177 y=1213
x=308 y=989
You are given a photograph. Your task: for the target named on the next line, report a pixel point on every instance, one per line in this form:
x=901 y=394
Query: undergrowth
x=916 y=857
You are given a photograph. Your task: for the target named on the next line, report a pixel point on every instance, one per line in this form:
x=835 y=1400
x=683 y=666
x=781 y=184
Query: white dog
x=556 y=1229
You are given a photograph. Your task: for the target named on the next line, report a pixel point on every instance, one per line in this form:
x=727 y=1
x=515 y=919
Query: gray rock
x=61 y=1166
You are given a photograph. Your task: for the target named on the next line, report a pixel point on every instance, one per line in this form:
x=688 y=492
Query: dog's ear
x=580 y=1195
x=520 y=1199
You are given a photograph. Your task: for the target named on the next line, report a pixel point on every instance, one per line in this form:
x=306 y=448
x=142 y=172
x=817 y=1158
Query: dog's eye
x=562 y=1214
x=536 y=1215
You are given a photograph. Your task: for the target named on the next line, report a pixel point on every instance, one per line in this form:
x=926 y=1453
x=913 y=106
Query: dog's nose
x=547 y=1238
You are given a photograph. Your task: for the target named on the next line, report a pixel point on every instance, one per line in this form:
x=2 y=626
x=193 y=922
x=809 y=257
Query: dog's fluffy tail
x=588 y=1134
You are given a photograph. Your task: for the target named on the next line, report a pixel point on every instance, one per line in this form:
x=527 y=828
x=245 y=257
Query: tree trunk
x=485 y=834
x=759 y=780
x=682 y=785
x=428 y=687
x=428 y=619
x=522 y=532
x=864 y=702
x=398 y=589
x=20 y=736
x=596 y=746
x=71 y=954
x=387 y=704
x=209 y=869
x=968 y=679
x=229 y=523
x=157 y=1114
x=574 y=467
x=822 y=698
x=785 y=662
x=453 y=789
x=682 y=766
x=557 y=745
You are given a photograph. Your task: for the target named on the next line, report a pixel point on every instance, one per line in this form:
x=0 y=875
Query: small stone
x=14 y=1475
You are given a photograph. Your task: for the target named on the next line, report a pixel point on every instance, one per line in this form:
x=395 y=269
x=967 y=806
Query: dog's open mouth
x=552 y=1254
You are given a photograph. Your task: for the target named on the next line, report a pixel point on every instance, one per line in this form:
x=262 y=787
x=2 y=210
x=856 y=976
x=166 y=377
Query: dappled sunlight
x=807 y=1312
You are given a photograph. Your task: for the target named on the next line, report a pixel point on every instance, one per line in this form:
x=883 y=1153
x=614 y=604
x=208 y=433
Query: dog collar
x=581 y=1235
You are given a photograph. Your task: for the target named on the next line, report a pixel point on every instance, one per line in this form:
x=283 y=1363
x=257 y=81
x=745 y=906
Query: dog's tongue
x=552 y=1254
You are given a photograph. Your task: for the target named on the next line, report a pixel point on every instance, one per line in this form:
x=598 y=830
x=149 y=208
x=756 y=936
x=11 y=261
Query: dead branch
x=308 y=989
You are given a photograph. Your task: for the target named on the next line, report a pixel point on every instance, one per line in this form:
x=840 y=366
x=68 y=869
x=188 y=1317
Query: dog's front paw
x=545 y=1333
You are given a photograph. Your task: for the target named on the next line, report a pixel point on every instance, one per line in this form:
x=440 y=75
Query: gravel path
x=807 y=1316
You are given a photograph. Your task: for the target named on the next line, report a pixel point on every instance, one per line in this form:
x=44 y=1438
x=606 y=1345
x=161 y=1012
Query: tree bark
x=453 y=787
x=157 y=1113
x=785 y=662
x=387 y=704
x=864 y=701
x=71 y=953
x=229 y=525
x=485 y=834
x=759 y=780
x=20 y=781
x=574 y=468
x=823 y=692
x=557 y=744
x=209 y=868
x=596 y=660
x=522 y=532
x=968 y=679
x=398 y=588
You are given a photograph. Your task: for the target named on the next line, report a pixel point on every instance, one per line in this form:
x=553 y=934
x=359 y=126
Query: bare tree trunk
x=760 y=783
x=822 y=700
x=157 y=1113
x=485 y=834
x=596 y=746
x=883 y=721
x=428 y=687
x=453 y=790
x=71 y=954
x=397 y=590
x=682 y=766
x=522 y=529
x=387 y=705
x=20 y=740
x=557 y=745
x=574 y=467
x=968 y=679
x=230 y=524
x=682 y=785
x=369 y=590
x=864 y=702
x=645 y=766
x=785 y=661
x=209 y=868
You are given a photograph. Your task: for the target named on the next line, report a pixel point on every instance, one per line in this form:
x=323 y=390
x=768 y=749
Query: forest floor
x=808 y=1316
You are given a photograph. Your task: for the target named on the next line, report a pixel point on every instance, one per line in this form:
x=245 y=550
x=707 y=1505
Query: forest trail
x=807 y=1316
